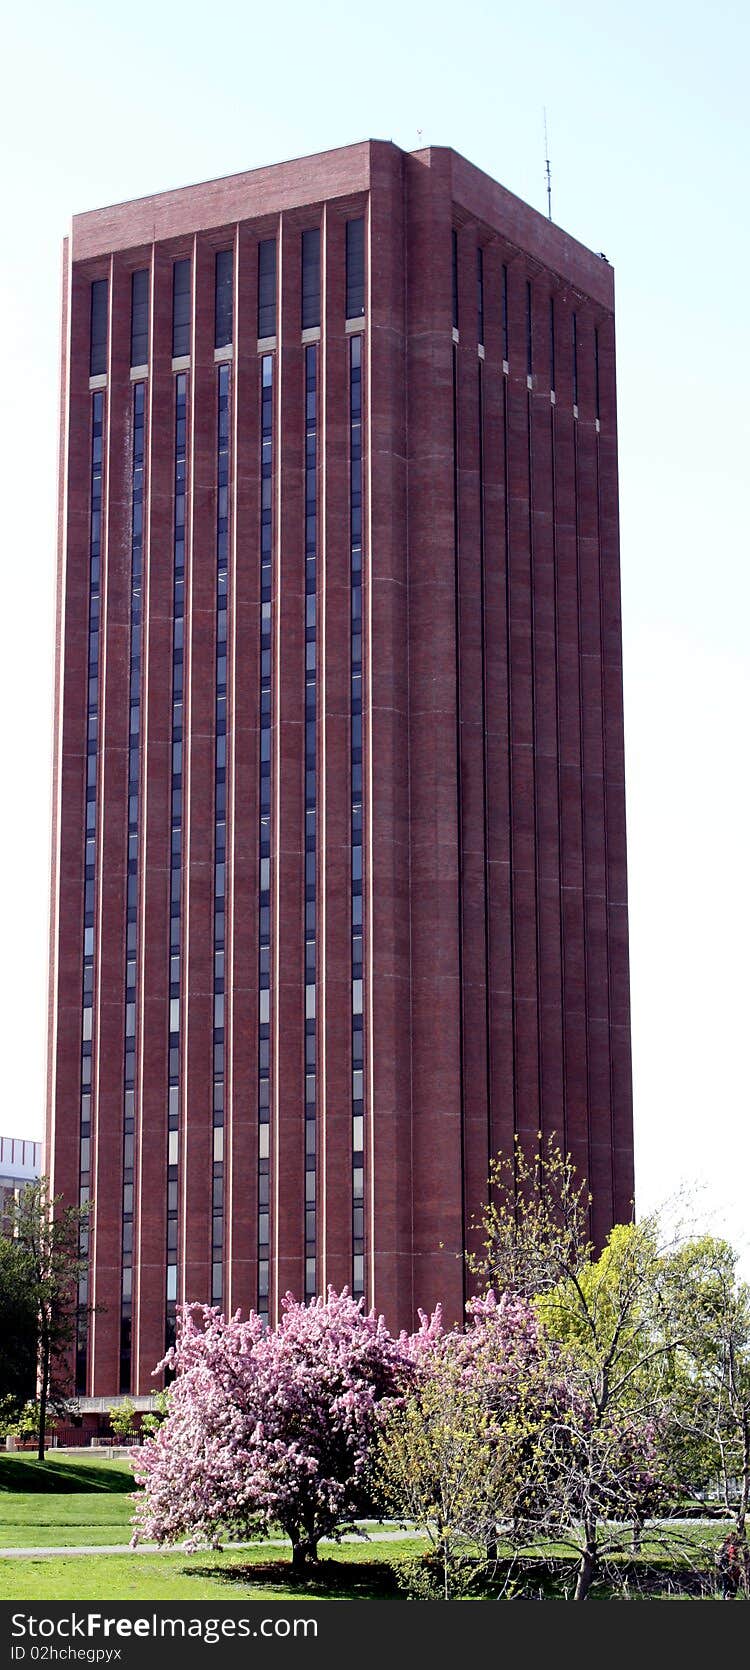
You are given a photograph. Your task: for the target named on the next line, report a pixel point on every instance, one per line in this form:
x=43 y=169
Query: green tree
x=155 y=1417
x=52 y=1240
x=122 y=1419
x=711 y=1429
x=618 y=1325
x=18 y=1317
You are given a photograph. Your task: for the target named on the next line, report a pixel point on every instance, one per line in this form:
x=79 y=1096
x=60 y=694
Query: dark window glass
x=355 y=269
x=99 y=311
x=480 y=295
x=454 y=277
x=267 y=288
x=552 y=382
x=506 y=338
x=180 y=309
x=310 y=278
x=529 y=340
x=596 y=370
x=575 y=360
x=139 y=319
x=223 y=298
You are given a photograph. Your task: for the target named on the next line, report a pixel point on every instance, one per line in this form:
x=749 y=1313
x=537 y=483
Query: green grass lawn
x=63 y=1474
x=350 y=1571
x=63 y=1502
x=69 y=1502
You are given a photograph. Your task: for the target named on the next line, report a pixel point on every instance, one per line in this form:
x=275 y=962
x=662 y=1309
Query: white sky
x=647 y=111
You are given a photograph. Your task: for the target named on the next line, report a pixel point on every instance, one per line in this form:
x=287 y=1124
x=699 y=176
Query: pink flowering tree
x=269 y=1426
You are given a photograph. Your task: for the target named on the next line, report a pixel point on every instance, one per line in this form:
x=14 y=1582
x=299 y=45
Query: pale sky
x=647 y=112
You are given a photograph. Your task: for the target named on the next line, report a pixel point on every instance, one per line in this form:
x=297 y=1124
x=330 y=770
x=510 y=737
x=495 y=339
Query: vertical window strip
x=311 y=501
x=181 y=308
x=220 y=831
x=223 y=297
x=131 y=929
x=355 y=269
x=506 y=334
x=87 y=1001
x=264 y=837
x=480 y=295
x=99 y=327
x=552 y=369
x=357 y=866
x=454 y=278
x=575 y=359
x=267 y=288
x=596 y=371
x=311 y=278
x=175 y=855
x=529 y=331
x=139 y=318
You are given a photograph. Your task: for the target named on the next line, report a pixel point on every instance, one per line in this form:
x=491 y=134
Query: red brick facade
x=495 y=904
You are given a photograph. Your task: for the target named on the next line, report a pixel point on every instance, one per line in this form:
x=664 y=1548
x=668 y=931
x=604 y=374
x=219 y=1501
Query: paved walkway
x=179 y=1547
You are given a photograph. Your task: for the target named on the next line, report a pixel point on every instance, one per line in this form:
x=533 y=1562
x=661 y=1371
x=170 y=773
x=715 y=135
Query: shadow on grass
x=525 y=1579
x=64 y=1477
x=335 y=1579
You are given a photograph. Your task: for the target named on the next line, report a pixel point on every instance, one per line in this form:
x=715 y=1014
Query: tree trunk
x=304 y=1553
x=587 y=1566
x=43 y=1392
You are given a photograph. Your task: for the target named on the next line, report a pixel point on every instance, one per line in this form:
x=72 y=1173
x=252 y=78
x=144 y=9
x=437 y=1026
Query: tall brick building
x=339 y=882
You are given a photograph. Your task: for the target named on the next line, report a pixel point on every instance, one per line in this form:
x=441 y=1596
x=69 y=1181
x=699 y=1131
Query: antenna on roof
x=547 y=167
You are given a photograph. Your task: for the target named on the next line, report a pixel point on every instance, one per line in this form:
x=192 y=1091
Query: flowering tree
x=269 y=1425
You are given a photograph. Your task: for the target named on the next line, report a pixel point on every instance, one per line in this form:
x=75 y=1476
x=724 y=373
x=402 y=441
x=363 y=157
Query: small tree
x=616 y=1324
x=48 y=1235
x=122 y=1420
x=269 y=1425
x=154 y=1418
x=536 y=1223
x=456 y=1453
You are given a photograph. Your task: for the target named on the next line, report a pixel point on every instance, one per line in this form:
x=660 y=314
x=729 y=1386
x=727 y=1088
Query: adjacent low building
x=20 y=1163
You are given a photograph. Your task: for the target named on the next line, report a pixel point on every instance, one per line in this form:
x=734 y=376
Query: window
x=552 y=382
x=223 y=301
x=480 y=295
x=267 y=288
x=173 y=1022
x=181 y=308
x=355 y=269
x=529 y=340
x=356 y=888
x=575 y=360
x=454 y=278
x=99 y=325
x=506 y=338
x=264 y=822
x=596 y=370
x=311 y=278
x=139 y=318
x=311 y=524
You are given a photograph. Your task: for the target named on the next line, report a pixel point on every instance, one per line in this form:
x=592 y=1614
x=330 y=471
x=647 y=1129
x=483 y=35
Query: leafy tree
x=48 y=1236
x=154 y=1418
x=616 y=1326
x=122 y=1420
x=18 y=1318
x=711 y=1427
x=269 y=1425
x=457 y=1453
x=536 y=1223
